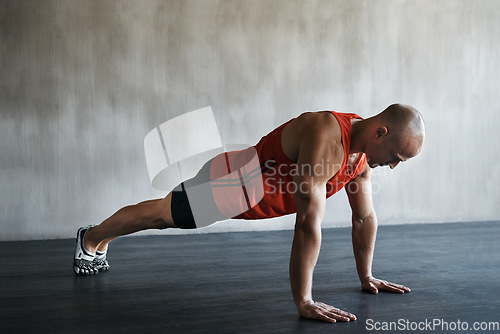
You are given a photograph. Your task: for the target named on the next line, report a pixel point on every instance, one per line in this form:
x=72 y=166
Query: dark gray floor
x=238 y=282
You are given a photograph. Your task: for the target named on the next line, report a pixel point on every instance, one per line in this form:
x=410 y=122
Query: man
x=316 y=154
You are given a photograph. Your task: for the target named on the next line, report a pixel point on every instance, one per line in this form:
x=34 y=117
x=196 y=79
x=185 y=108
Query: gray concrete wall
x=82 y=83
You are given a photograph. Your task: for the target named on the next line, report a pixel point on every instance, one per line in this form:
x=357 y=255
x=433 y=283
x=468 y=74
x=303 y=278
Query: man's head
x=395 y=135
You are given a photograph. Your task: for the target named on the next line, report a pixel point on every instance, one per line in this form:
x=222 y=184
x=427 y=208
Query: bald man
x=301 y=164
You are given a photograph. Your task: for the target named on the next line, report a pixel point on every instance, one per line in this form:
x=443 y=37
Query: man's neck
x=357 y=145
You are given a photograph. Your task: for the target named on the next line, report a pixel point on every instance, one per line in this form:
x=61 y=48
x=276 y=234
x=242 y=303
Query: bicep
x=317 y=159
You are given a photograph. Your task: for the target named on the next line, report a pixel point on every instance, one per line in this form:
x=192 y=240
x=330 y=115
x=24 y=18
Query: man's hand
x=324 y=312
x=373 y=285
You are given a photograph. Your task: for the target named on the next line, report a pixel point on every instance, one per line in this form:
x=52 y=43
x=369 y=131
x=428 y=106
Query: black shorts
x=182 y=212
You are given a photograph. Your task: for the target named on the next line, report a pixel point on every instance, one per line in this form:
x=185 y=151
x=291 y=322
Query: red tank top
x=244 y=193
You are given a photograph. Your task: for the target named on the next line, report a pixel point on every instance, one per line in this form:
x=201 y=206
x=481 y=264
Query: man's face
x=382 y=154
x=389 y=151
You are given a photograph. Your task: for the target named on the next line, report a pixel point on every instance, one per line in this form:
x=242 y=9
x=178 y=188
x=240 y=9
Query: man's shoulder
x=322 y=137
x=317 y=131
x=322 y=125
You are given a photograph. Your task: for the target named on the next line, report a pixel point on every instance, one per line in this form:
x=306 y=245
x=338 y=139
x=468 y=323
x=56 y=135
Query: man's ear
x=381 y=132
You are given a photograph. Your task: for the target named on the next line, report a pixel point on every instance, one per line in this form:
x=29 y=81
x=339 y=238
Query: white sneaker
x=83 y=261
x=100 y=261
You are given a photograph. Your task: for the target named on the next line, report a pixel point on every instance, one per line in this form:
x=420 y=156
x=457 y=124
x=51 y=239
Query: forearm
x=364 y=232
x=305 y=250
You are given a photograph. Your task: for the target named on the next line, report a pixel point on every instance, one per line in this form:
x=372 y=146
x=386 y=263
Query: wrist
x=303 y=302
x=303 y=305
x=365 y=278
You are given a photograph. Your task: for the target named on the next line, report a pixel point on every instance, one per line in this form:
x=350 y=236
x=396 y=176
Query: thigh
x=165 y=210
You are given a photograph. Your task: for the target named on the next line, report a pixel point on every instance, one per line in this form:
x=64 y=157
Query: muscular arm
x=310 y=198
x=364 y=222
x=364 y=231
x=306 y=242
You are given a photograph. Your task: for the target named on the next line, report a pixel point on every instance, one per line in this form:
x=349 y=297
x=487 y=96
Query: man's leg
x=92 y=243
x=153 y=214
